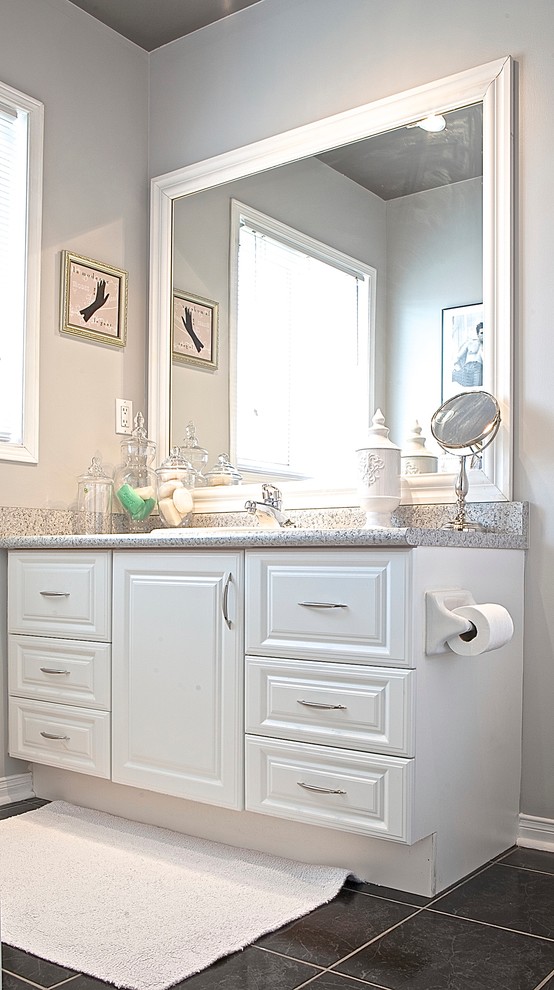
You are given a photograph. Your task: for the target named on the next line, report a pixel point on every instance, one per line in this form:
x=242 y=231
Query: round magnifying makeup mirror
x=464 y=425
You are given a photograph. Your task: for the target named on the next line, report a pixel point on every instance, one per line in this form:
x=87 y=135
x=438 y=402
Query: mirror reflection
x=403 y=213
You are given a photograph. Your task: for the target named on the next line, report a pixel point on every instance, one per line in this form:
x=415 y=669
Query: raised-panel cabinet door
x=177 y=674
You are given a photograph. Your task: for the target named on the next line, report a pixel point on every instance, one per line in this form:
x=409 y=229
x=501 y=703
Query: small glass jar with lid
x=223 y=473
x=135 y=478
x=196 y=455
x=94 y=500
x=175 y=479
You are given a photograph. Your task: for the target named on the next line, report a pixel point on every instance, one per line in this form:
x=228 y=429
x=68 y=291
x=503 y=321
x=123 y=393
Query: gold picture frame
x=93 y=300
x=194 y=329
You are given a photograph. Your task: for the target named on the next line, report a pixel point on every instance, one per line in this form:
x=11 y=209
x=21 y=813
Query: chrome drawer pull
x=320 y=790
x=55 y=594
x=225 y=602
x=322 y=605
x=317 y=704
x=51 y=735
x=52 y=670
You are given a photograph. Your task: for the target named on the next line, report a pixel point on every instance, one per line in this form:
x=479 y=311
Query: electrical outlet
x=123 y=416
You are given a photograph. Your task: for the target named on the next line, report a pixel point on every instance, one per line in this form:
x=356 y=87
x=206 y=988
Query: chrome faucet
x=269 y=512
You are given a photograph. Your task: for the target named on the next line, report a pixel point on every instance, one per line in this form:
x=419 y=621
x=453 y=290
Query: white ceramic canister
x=379 y=475
x=416 y=459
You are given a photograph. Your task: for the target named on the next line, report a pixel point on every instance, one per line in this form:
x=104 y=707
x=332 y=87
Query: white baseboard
x=536 y=833
x=17 y=787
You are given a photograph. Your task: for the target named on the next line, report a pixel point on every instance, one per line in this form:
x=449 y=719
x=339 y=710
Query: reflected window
x=20 y=221
x=303 y=346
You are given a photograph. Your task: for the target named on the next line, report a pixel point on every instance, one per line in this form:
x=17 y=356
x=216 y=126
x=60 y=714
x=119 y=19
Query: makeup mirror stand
x=465 y=425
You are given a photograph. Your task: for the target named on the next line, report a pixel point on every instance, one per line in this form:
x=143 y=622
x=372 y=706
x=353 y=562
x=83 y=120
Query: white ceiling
x=152 y=23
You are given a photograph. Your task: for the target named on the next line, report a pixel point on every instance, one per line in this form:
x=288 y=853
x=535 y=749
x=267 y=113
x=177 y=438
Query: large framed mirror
x=463 y=206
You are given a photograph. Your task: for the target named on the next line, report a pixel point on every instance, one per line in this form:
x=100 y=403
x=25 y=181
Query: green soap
x=130 y=500
x=147 y=506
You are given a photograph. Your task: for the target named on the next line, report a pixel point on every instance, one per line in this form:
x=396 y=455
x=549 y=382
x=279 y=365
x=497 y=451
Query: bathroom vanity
x=272 y=691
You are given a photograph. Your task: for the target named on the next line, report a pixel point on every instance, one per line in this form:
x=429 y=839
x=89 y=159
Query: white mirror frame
x=492 y=84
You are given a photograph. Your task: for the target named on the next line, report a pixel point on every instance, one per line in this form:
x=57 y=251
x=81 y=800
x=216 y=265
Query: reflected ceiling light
x=434 y=123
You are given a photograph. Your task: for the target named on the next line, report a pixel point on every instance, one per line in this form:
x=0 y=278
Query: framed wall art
x=93 y=300
x=462 y=349
x=194 y=329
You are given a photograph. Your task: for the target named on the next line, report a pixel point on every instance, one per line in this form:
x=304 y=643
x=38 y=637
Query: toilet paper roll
x=492 y=628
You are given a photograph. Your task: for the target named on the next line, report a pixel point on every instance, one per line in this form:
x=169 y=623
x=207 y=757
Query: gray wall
x=94 y=86
x=283 y=63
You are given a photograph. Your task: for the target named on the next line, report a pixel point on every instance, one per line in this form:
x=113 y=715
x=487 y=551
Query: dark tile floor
x=492 y=931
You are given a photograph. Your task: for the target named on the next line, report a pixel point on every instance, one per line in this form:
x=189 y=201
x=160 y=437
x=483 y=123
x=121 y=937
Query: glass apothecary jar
x=94 y=500
x=135 y=478
x=196 y=455
x=223 y=473
x=175 y=479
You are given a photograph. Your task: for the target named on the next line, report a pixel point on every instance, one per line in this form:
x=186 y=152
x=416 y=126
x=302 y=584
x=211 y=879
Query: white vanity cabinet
x=178 y=674
x=59 y=659
x=290 y=685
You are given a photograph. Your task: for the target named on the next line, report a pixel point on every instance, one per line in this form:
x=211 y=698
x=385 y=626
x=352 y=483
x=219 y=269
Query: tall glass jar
x=135 y=479
x=94 y=500
x=176 y=477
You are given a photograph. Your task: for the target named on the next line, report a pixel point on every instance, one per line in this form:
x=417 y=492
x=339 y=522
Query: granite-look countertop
x=187 y=539
x=506 y=527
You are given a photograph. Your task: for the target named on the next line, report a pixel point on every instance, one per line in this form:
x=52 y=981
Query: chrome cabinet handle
x=51 y=735
x=320 y=790
x=322 y=605
x=55 y=594
x=53 y=670
x=225 y=602
x=317 y=704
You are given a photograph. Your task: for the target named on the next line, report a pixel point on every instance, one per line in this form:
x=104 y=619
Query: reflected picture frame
x=462 y=349
x=93 y=300
x=194 y=329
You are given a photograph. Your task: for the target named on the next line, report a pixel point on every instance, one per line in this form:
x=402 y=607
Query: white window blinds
x=13 y=248
x=303 y=326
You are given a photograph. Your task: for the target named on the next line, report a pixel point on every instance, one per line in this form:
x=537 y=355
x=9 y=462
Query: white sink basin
x=206 y=531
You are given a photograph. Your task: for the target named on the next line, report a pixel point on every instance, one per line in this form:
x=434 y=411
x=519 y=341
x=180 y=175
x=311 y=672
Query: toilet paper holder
x=441 y=620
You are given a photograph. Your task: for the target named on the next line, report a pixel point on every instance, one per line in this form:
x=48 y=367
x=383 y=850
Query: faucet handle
x=272 y=496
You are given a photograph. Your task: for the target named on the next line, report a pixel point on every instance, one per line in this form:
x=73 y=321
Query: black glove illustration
x=187 y=320
x=99 y=300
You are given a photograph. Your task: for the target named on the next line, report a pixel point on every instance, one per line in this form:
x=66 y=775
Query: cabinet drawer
x=341 y=789
x=348 y=606
x=353 y=707
x=60 y=670
x=84 y=736
x=60 y=594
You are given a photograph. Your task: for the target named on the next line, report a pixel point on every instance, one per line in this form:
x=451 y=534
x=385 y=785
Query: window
x=21 y=131
x=302 y=316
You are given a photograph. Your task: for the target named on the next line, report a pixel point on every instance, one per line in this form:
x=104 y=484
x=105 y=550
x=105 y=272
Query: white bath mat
x=140 y=906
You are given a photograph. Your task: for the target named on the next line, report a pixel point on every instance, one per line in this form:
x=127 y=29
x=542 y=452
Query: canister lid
x=95 y=474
